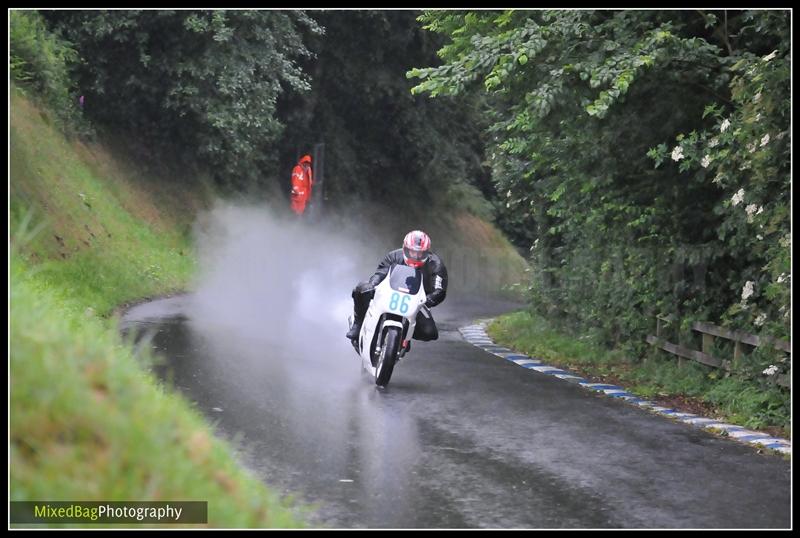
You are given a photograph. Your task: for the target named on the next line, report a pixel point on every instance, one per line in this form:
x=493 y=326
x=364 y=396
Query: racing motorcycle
x=389 y=322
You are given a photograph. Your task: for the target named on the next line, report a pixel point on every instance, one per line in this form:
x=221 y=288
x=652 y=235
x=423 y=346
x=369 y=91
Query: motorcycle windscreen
x=405 y=279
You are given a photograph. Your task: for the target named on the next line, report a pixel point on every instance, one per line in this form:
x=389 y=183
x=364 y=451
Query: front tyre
x=389 y=349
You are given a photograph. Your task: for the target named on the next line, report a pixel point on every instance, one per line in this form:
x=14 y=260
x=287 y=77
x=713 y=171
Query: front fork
x=378 y=344
x=404 y=348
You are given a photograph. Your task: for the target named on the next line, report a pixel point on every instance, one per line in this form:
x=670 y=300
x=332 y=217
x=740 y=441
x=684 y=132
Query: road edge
x=476 y=335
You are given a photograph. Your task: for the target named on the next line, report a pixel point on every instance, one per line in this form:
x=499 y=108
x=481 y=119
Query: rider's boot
x=352 y=334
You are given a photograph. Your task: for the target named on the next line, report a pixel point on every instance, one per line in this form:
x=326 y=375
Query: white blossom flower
x=770 y=56
x=706 y=161
x=759 y=321
x=508 y=194
x=714 y=142
x=760 y=237
x=782 y=278
x=757 y=97
x=748 y=290
x=677 y=153
x=738 y=197
x=765 y=140
x=785 y=241
x=751 y=210
x=751 y=147
x=772 y=370
x=725 y=124
x=508 y=204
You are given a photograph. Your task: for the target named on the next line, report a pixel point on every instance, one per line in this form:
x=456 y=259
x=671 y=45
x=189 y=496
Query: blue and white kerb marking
x=476 y=335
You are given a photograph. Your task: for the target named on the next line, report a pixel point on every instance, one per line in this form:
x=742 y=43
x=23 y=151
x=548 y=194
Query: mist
x=277 y=290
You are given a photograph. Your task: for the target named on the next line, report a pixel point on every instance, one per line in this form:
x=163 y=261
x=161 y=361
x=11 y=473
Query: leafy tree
x=41 y=61
x=745 y=151
x=580 y=104
x=204 y=82
x=381 y=142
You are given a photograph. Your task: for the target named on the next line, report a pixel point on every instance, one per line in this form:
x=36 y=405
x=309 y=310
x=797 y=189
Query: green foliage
x=41 y=61
x=746 y=153
x=203 y=82
x=751 y=405
x=381 y=142
x=240 y=92
x=581 y=103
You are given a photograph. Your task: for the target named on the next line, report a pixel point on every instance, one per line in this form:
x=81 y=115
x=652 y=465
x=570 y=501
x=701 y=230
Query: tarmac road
x=459 y=439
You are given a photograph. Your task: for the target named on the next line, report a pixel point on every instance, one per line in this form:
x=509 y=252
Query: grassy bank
x=692 y=387
x=108 y=232
x=93 y=230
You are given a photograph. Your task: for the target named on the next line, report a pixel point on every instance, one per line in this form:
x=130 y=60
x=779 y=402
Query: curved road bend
x=459 y=439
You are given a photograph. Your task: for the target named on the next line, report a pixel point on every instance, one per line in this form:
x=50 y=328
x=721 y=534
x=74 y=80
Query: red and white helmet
x=416 y=248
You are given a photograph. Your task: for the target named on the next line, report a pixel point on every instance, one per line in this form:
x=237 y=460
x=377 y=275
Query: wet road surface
x=459 y=439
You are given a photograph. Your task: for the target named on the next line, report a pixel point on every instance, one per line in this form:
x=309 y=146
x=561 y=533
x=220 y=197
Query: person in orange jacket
x=302 y=182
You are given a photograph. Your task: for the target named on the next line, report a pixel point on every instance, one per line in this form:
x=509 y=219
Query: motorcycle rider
x=416 y=252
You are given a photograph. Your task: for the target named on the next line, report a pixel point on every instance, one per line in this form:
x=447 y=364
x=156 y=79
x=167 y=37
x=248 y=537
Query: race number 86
x=399 y=304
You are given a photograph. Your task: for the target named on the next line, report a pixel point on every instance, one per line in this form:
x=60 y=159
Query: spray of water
x=278 y=288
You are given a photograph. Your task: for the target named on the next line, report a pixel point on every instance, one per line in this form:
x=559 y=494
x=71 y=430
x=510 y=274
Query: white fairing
x=388 y=300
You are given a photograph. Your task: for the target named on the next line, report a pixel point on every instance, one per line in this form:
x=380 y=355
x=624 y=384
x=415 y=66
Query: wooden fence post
x=708 y=343
x=737 y=354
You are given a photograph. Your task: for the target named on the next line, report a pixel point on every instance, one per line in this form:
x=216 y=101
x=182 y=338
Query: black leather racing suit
x=434 y=279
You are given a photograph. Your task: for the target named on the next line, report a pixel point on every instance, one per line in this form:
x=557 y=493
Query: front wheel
x=389 y=349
